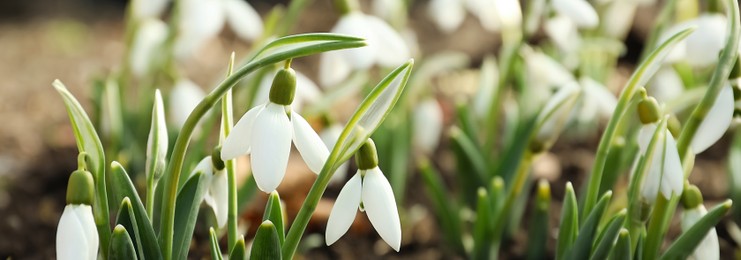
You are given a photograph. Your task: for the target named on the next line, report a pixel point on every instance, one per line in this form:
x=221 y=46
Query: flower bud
x=691 y=197
x=648 y=110
x=367 y=157
x=216 y=160
x=80 y=188
x=284 y=87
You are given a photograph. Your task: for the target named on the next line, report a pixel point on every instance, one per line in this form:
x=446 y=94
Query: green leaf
x=122 y=187
x=121 y=247
x=266 y=244
x=88 y=142
x=274 y=213
x=569 y=226
x=301 y=41
x=686 y=243
x=371 y=113
x=609 y=235
x=539 y=230
x=621 y=250
x=126 y=219
x=471 y=152
x=734 y=174
x=215 y=250
x=238 y=252
x=186 y=212
x=482 y=227
x=445 y=211
x=157 y=140
x=583 y=244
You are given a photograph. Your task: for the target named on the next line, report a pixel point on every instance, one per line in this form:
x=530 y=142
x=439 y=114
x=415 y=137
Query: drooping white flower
x=204 y=19
x=388 y=10
x=267 y=131
x=184 y=97
x=546 y=75
x=329 y=136
x=618 y=18
x=666 y=85
x=564 y=33
x=77 y=237
x=555 y=114
x=148 y=40
x=579 y=11
x=307 y=91
x=708 y=249
x=216 y=197
x=665 y=173
x=427 y=123
x=372 y=189
x=703 y=46
x=385 y=48
x=597 y=101
x=716 y=121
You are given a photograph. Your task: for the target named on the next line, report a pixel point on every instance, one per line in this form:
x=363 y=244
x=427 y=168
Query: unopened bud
x=284 y=87
x=367 y=157
x=648 y=110
x=80 y=188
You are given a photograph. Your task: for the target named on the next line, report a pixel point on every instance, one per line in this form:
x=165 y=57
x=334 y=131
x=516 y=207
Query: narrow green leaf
x=298 y=41
x=539 y=230
x=121 y=247
x=621 y=250
x=471 y=152
x=215 y=250
x=686 y=243
x=238 y=252
x=122 y=187
x=266 y=244
x=445 y=211
x=583 y=244
x=274 y=213
x=609 y=236
x=569 y=226
x=482 y=227
x=186 y=212
x=734 y=174
x=88 y=142
x=126 y=219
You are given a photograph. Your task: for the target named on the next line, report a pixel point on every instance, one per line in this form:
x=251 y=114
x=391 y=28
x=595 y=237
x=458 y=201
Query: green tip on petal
x=284 y=87
x=648 y=110
x=367 y=156
x=80 y=188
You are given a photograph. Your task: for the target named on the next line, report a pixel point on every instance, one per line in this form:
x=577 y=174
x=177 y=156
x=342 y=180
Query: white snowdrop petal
x=333 y=68
x=427 y=124
x=716 y=122
x=380 y=206
x=205 y=166
x=184 y=97
x=579 y=11
x=604 y=101
x=387 y=9
x=509 y=13
x=85 y=216
x=706 y=42
x=666 y=85
x=142 y=9
x=545 y=71
x=244 y=21
x=149 y=38
x=447 y=14
x=652 y=179
x=673 y=173
x=708 y=247
x=71 y=237
x=271 y=144
x=486 y=11
x=308 y=143
x=356 y=24
x=391 y=48
x=238 y=141
x=556 y=112
x=218 y=194
x=564 y=33
x=205 y=18
x=618 y=18
x=644 y=136
x=344 y=210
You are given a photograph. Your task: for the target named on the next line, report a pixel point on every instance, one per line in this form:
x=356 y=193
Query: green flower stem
x=177 y=158
x=230 y=165
x=718 y=80
x=658 y=225
x=509 y=53
x=515 y=189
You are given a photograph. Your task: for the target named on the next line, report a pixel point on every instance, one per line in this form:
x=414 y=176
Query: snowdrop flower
x=146 y=46
x=564 y=33
x=329 y=136
x=157 y=140
x=701 y=48
x=597 y=101
x=203 y=20
x=427 y=123
x=307 y=91
x=216 y=197
x=369 y=191
x=389 y=10
x=266 y=131
x=618 y=18
x=554 y=116
x=448 y=15
x=385 y=48
x=77 y=236
x=693 y=211
x=143 y=9
x=665 y=173
x=546 y=75
x=665 y=85
x=716 y=121
x=579 y=11
x=184 y=97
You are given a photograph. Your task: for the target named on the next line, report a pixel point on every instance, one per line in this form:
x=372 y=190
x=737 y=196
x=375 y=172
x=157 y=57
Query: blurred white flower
x=492 y=14
x=427 y=123
x=708 y=249
x=555 y=114
x=447 y=14
x=184 y=97
x=665 y=85
x=145 y=49
x=716 y=121
x=597 y=101
x=665 y=172
x=144 y=9
x=385 y=47
x=703 y=46
x=564 y=33
x=329 y=136
x=388 y=10
x=373 y=190
x=307 y=91
x=77 y=236
x=618 y=18
x=545 y=75
x=579 y=11
x=204 y=19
